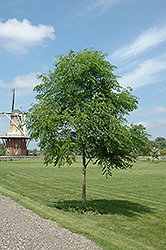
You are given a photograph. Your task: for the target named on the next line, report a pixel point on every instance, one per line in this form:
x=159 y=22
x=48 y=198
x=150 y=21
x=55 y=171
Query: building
x=16 y=139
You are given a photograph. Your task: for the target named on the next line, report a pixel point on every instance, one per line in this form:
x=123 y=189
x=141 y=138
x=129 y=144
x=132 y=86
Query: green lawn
x=134 y=200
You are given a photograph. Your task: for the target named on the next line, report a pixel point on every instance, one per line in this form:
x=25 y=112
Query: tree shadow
x=103 y=206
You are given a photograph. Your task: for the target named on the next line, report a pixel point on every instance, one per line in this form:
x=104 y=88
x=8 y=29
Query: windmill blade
x=13 y=100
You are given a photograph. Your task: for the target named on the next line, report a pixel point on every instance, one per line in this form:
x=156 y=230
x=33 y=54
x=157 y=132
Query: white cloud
x=2 y=84
x=99 y=5
x=146 y=73
x=147 y=40
x=155 y=127
x=153 y=123
x=102 y=4
x=16 y=36
x=157 y=110
x=3 y=124
x=23 y=83
x=151 y=112
x=139 y=68
x=163 y=89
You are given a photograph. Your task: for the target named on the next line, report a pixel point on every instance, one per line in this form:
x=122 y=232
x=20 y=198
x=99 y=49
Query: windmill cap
x=16 y=112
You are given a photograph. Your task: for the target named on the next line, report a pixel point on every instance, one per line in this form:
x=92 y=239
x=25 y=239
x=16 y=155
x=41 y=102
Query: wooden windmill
x=16 y=139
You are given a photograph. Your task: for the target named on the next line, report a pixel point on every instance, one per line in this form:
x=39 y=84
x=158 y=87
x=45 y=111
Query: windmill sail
x=13 y=100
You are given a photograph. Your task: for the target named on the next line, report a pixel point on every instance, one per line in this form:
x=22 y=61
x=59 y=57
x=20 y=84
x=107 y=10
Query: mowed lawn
x=133 y=200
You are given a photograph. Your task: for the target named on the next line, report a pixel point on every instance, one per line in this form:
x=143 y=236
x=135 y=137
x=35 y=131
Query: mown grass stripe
x=134 y=200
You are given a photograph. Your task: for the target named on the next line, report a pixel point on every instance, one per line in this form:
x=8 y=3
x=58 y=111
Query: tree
x=161 y=142
x=81 y=107
x=146 y=151
x=33 y=151
x=155 y=153
x=2 y=148
x=163 y=152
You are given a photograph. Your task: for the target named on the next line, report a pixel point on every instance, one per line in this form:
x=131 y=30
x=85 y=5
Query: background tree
x=159 y=142
x=2 y=148
x=82 y=108
x=33 y=151
x=155 y=153
x=163 y=152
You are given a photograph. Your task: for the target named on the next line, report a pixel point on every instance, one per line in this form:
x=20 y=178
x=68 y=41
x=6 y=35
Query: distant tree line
x=33 y=152
x=159 y=142
x=155 y=148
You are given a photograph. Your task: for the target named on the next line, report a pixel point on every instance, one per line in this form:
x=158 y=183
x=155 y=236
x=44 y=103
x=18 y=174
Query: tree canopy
x=81 y=108
x=160 y=143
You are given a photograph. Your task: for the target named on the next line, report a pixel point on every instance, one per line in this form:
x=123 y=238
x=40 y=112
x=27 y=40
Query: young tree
x=82 y=108
x=155 y=153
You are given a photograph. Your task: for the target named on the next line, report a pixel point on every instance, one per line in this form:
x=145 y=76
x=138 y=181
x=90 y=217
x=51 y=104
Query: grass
x=133 y=200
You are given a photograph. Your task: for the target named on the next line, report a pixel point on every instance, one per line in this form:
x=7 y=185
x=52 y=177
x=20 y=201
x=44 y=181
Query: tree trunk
x=84 y=179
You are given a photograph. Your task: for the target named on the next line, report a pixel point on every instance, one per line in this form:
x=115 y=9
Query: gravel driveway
x=20 y=228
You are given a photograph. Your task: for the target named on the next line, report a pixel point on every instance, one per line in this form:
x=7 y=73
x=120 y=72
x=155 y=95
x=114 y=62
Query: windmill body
x=16 y=139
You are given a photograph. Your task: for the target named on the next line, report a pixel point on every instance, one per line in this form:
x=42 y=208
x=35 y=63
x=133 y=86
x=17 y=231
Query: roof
x=16 y=112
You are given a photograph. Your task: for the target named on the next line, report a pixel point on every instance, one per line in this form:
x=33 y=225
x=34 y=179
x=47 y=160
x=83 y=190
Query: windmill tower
x=16 y=139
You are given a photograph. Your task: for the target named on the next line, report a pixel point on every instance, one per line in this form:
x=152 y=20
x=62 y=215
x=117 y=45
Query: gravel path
x=20 y=228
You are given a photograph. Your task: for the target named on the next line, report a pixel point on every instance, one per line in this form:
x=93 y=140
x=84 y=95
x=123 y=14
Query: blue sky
x=132 y=32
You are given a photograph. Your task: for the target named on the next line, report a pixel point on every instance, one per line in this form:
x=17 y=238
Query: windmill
x=16 y=139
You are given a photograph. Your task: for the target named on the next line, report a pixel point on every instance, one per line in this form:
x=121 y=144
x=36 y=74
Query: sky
x=131 y=32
